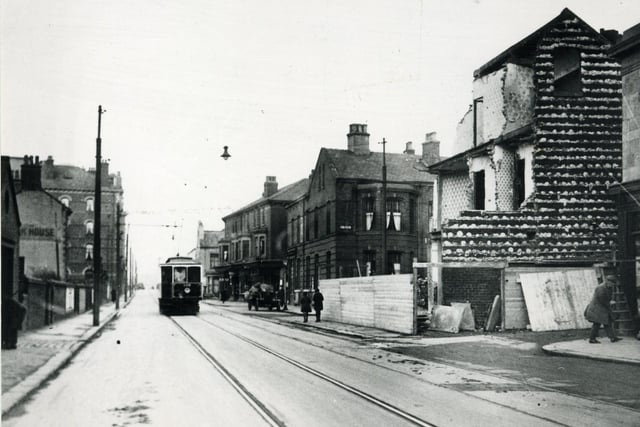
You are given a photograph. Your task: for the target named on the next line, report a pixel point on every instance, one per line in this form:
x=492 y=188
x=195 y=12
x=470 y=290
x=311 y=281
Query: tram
x=180 y=286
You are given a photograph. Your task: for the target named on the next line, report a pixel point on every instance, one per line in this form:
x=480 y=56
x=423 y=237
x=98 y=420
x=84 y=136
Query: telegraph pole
x=97 y=252
x=118 y=258
x=126 y=265
x=384 y=207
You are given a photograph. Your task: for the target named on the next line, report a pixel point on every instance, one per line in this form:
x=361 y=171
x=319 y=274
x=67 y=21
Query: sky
x=274 y=81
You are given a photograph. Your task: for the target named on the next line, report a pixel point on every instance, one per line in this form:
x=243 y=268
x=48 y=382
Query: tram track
x=270 y=418
x=261 y=409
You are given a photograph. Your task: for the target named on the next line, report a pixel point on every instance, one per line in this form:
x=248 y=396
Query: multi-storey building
x=10 y=233
x=207 y=252
x=75 y=188
x=537 y=151
x=627 y=192
x=345 y=225
x=43 y=243
x=254 y=246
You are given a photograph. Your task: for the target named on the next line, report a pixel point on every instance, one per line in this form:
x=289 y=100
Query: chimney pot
x=31 y=174
x=409 y=148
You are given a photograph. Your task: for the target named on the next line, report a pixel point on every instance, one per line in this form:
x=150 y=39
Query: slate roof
x=63 y=177
x=288 y=193
x=210 y=238
x=400 y=167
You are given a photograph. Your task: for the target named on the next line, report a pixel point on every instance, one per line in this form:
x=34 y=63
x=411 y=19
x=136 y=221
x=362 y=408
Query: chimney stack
x=270 y=186
x=47 y=168
x=31 y=174
x=104 y=174
x=409 y=148
x=358 y=139
x=431 y=149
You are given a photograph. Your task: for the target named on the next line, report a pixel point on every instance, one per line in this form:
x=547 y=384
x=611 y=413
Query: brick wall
x=478 y=286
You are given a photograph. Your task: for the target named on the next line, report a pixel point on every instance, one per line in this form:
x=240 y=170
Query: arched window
x=89 y=227
x=89 y=252
x=65 y=200
x=89 y=204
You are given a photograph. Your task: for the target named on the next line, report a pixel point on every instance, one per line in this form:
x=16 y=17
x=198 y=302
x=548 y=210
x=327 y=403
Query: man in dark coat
x=305 y=306
x=13 y=314
x=598 y=312
x=317 y=303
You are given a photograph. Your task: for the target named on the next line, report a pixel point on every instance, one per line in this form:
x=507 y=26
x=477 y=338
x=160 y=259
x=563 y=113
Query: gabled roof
x=288 y=193
x=526 y=47
x=400 y=167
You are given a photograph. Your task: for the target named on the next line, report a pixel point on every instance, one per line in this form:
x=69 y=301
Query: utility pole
x=384 y=207
x=126 y=265
x=118 y=258
x=97 y=252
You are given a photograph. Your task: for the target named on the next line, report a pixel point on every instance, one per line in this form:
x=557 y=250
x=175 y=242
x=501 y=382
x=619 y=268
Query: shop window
x=566 y=72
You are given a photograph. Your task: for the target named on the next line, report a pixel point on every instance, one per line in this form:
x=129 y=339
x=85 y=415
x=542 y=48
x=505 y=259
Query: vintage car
x=262 y=295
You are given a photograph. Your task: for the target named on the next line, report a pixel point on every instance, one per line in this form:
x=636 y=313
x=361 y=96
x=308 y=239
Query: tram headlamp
x=187 y=290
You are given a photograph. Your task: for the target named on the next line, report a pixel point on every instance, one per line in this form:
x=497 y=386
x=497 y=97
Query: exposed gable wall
x=568 y=216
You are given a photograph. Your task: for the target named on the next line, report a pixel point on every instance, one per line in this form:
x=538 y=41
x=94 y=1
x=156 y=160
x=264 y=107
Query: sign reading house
x=36 y=232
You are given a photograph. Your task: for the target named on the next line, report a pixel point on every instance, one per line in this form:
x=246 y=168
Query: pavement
x=43 y=352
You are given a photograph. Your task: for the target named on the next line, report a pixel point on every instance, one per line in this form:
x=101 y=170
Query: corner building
x=337 y=228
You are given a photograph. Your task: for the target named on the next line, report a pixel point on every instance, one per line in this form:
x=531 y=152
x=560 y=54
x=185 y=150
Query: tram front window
x=179 y=274
x=194 y=274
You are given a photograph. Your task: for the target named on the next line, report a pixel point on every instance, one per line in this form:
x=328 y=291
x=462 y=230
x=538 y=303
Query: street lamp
x=226 y=154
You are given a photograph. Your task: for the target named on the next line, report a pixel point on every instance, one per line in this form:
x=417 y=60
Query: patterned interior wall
x=504 y=162
x=519 y=97
x=491 y=89
x=455 y=195
x=631 y=125
x=578 y=147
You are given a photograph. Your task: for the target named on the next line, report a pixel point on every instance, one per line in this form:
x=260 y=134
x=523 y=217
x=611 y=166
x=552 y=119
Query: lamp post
x=97 y=264
x=384 y=207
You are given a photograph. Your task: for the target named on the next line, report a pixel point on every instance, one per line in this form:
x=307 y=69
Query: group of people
x=306 y=302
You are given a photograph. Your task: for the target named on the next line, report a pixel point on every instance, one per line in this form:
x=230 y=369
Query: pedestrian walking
x=224 y=293
x=317 y=303
x=305 y=305
x=13 y=314
x=598 y=312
